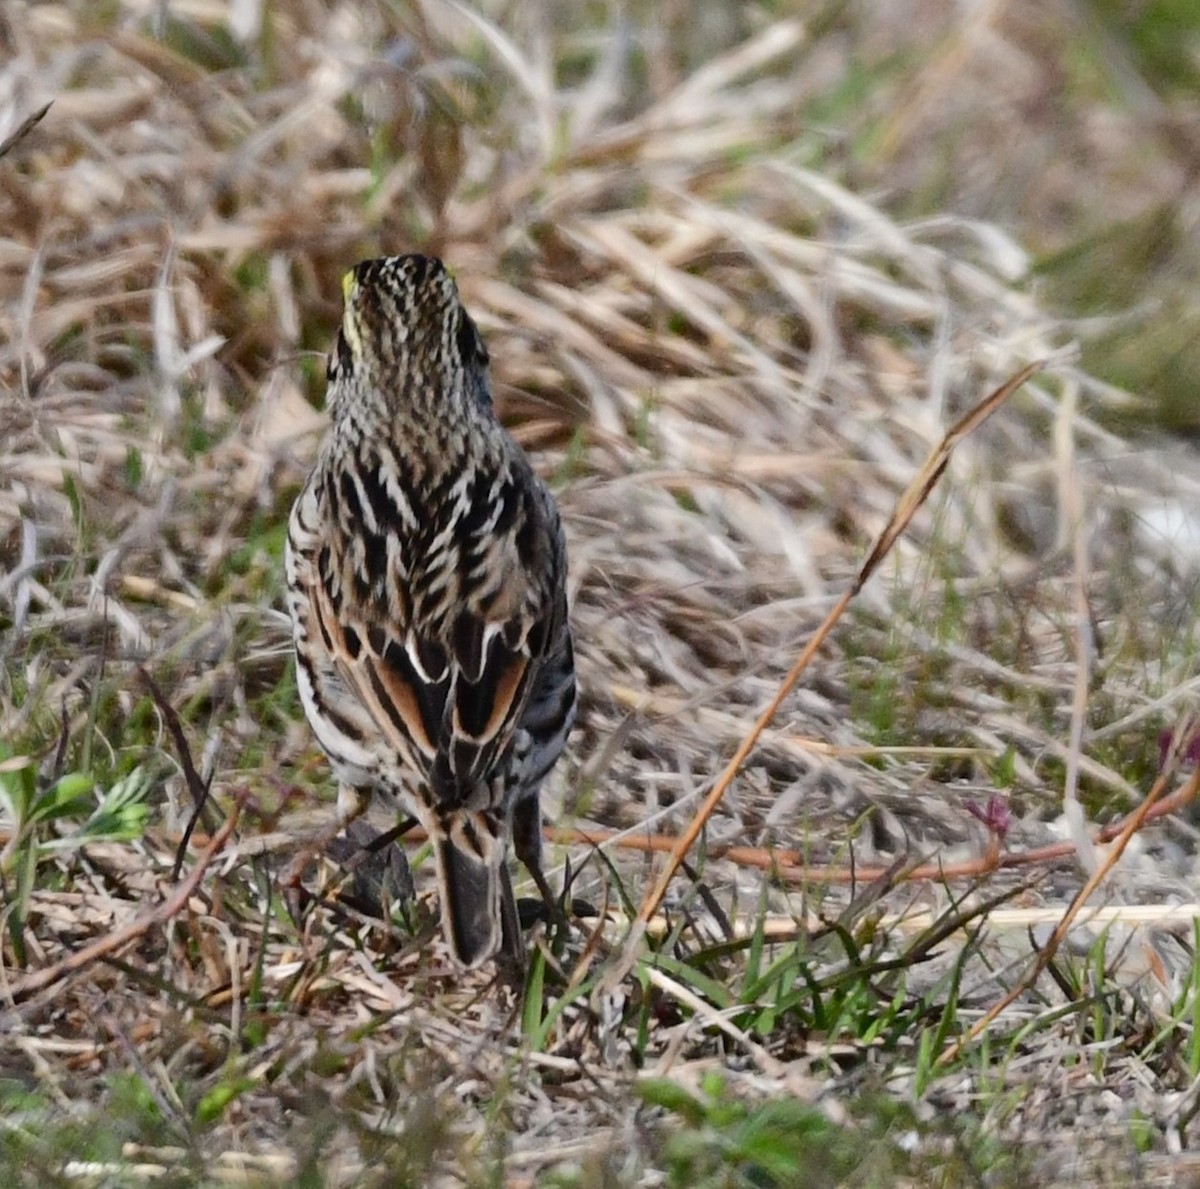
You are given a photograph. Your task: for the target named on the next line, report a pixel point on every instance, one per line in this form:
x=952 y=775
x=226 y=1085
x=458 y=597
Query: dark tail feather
x=471 y=904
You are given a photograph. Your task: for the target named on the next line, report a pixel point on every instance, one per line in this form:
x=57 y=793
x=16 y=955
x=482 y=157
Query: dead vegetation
x=731 y=366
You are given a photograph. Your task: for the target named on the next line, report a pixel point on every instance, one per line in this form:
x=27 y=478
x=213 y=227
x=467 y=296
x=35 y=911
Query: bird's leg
x=527 y=843
x=510 y=960
x=351 y=803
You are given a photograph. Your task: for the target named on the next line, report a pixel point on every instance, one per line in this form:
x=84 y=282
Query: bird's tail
x=479 y=914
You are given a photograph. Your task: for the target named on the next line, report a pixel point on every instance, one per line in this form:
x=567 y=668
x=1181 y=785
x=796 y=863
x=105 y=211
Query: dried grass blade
x=918 y=491
x=704 y=85
x=23 y=129
x=912 y=499
x=530 y=72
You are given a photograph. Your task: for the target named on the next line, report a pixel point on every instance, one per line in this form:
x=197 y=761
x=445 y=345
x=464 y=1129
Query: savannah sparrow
x=426 y=572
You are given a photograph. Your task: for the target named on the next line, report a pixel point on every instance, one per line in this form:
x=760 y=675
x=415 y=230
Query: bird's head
x=407 y=349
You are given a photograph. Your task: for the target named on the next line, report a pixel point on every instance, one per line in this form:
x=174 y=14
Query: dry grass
x=731 y=367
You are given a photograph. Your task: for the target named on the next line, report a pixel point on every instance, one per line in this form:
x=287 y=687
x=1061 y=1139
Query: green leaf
x=212 y=1106
x=662 y=1092
x=69 y=796
x=535 y=991
x=716 y=993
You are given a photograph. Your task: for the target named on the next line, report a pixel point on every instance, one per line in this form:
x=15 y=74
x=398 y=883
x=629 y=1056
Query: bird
x=426 y=573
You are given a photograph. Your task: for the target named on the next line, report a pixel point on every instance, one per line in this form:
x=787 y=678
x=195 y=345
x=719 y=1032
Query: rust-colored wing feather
x=446 y=686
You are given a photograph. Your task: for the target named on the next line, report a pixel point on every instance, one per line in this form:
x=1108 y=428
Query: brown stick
x=790 y=866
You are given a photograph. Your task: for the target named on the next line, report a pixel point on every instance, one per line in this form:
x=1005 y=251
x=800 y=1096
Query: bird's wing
x=440 y=638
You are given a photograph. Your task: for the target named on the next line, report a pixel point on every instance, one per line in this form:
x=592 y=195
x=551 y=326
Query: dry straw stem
x=705 y=1013
x=910 y=501
x=1099 y=917
x=790 y=866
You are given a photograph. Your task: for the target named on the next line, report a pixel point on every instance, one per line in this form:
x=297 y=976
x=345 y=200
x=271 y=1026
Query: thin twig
x=197 y=786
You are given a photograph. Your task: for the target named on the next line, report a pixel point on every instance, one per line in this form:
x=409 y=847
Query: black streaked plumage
x=426 y=572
